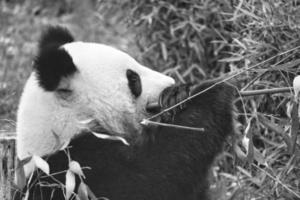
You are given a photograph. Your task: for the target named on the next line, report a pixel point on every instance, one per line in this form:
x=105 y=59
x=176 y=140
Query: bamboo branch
x=265 y=91
x=243 y=94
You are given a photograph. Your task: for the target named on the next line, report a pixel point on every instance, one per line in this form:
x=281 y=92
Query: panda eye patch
x=134 y=82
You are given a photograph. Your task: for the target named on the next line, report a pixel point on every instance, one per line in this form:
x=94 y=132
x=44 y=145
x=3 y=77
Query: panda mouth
x=93 y=125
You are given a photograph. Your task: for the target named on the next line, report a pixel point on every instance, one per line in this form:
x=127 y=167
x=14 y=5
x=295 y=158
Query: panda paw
x=172 y=96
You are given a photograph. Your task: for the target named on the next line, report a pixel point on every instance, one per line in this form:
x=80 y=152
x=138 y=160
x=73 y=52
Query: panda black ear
x=55 y=36
x=52 y=62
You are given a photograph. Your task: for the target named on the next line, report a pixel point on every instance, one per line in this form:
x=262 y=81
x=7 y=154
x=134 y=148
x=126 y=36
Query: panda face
x=75 y=83
x=110 y=86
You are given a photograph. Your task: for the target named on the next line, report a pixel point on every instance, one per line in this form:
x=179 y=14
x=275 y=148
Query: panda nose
x=163 y=82
x=153 y=107
x=169 y=81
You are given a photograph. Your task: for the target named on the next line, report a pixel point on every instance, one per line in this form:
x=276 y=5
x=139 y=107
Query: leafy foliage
x=259 y=42
x=215 y=36
x=23 y=184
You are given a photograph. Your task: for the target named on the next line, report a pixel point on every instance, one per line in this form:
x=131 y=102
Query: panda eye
x=134 y=82
x=64 y=93
x=64 y=90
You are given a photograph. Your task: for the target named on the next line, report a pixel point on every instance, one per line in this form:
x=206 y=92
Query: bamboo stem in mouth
x=148 y=122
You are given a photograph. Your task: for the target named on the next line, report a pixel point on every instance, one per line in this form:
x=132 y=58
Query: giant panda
x=76 y=82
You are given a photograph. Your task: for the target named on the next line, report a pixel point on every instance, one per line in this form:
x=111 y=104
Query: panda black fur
x=53 y=63
x=166 y=164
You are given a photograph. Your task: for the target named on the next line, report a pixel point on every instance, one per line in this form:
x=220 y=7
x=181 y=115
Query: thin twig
x=244 y=94
x=148 y=122
x=253 y=80
x=267 y=70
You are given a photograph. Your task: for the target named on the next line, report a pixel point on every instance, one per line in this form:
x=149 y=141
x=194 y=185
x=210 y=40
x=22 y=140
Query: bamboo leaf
x=247 y=141
x=83 y=192
x=232 y=59
x=294 y=126
x=75 y=167
x=273 y=127
x=70 y=184
x=296 y=86
x=41 y=164
x=164 y=50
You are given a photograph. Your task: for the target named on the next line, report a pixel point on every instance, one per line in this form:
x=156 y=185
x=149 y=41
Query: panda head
x=73 y=82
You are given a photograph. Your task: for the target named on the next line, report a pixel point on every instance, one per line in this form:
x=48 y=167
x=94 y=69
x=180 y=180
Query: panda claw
x=174 y=95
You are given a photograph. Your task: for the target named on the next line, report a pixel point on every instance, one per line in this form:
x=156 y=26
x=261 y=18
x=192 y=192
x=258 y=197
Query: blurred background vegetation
x=190 y=40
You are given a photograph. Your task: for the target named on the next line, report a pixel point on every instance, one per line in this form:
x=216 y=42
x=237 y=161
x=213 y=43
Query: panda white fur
x=78 y=81
x=74 y=82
